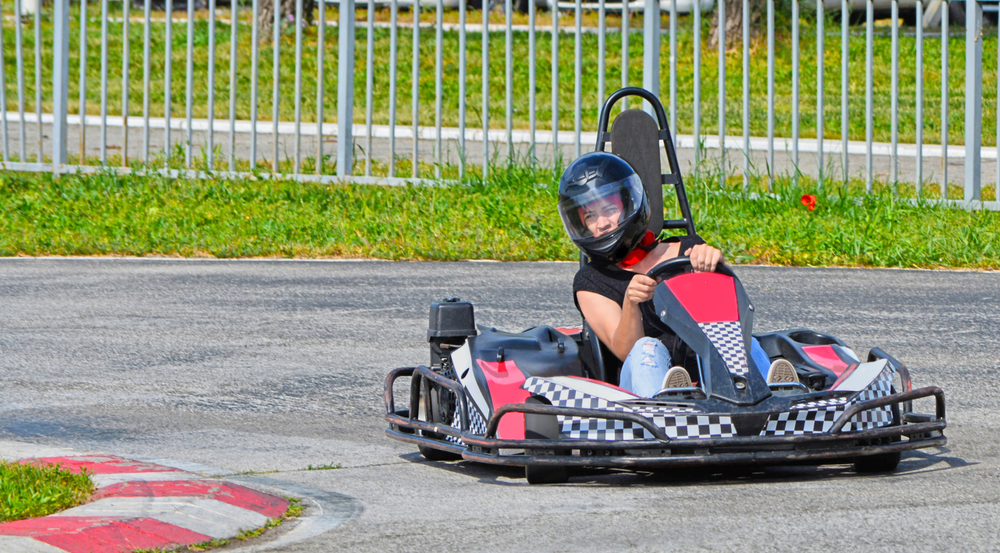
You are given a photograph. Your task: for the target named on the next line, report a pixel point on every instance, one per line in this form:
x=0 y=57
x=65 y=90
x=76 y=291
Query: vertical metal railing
x=746 y=95
x=820 y=92
x=944 y=99
x=845 y=113
x=234 y=26
x=320 y=86
x=5 y=128
x=415 y=88
x=721 y=25
x=795 y=91
x=770 y=96
x=778 y=137
x=125 y=79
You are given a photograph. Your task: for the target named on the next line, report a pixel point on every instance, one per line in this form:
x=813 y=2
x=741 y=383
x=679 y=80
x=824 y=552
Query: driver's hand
x=640 y=289
x=704 y=258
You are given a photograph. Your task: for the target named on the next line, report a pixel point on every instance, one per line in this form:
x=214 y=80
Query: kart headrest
x=635 y=137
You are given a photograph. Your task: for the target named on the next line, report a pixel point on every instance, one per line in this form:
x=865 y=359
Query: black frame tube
x=831 y=445
x=687 y=223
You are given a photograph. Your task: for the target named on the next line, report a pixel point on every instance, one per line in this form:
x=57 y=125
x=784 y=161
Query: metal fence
x=315 y=73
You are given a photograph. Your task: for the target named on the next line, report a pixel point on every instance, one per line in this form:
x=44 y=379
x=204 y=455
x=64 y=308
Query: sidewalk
x=402 y=147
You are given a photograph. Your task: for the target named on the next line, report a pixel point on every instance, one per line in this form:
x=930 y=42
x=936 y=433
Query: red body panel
x=707 y=297
x=826 y=356
x=505 y=380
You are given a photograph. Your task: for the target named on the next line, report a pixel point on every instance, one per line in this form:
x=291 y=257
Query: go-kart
x=547 y=398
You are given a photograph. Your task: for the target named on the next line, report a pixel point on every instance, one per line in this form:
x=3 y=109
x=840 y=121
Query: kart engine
x=452 y=321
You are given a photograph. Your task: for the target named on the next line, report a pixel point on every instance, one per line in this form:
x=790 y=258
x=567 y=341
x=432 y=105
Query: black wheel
x=886 y=462
x=546 y=475
x=432 y=454
x=542 y=427
x=521 y=6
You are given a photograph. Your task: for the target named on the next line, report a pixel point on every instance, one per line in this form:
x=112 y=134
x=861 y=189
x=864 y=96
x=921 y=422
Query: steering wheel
x=679 y=266
x=671 y=268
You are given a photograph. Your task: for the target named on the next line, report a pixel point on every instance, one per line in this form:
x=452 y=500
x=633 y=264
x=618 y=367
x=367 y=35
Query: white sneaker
x=782 y=372
x=677 y=377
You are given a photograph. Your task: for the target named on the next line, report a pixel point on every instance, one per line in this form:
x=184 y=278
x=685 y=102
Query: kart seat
x=636 y=139
x=635 y=136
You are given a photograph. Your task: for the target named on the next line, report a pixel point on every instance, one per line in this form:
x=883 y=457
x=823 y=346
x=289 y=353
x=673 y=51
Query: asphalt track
x=277 y=365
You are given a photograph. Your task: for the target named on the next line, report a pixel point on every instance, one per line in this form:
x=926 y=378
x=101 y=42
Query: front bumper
x=914 y=432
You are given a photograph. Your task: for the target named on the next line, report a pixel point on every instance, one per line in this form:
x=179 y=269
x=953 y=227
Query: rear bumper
x=915 y=432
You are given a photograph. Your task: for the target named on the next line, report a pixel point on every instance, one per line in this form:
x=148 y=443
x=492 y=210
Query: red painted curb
x=268 y=505
x=98 y=534
x=114 y=534
x=98 y=464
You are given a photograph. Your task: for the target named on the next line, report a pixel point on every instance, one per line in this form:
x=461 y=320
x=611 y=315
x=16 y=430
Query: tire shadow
x=912 y=463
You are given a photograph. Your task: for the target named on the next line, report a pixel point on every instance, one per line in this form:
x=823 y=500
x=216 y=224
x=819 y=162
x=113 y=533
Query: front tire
x=430 y=453
x=546 y=475
x=542 y=427
x=886 y=462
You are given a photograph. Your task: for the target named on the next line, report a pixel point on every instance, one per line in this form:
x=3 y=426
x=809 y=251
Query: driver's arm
x=704 y=258
x=619 y=328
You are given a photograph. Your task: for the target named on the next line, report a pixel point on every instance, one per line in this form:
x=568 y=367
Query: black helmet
x=603 y=206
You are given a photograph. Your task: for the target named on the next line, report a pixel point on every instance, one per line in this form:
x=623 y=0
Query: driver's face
x=602 y=216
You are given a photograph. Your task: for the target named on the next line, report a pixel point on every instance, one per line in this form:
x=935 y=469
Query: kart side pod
x=451 y=322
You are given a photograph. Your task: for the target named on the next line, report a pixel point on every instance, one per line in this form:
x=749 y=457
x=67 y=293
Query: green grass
x=510 y=218
x=294 y=510
x=29 y=491
x=451 y=61
x=328 y=466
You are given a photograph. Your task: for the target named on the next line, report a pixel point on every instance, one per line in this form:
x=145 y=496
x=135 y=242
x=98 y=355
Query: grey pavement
x=278 y=365
x=783 y=164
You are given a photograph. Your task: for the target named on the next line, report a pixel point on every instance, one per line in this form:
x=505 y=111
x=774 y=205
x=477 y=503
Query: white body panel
x=461 y=358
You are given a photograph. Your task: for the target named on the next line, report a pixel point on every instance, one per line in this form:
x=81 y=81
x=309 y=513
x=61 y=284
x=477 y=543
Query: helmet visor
x=596 y=211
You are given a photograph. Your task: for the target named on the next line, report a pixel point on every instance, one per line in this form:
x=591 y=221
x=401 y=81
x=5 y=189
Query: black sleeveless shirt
x=611 y=282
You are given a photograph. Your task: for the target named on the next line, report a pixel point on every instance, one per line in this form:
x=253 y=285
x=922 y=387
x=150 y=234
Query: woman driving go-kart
x=605 y=210
x=697 y=386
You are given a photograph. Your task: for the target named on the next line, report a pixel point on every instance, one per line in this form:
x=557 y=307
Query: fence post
x=973 y=98
x=60 y=82
x=651 y=49
x=345 y=90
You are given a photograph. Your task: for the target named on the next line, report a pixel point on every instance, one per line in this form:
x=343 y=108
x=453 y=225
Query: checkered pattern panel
x=727 y=337
x=873 y=418
x=477 y=425
x=562 y=396
x=803 y=421
x=817 y=417
x=676 y=427
x=599 y=429
x=673 y=420
x=652 y=410
x=679 y=427
x=833 y=402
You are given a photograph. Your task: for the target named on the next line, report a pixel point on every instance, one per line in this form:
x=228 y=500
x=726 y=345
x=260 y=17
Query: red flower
x=809 y=201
